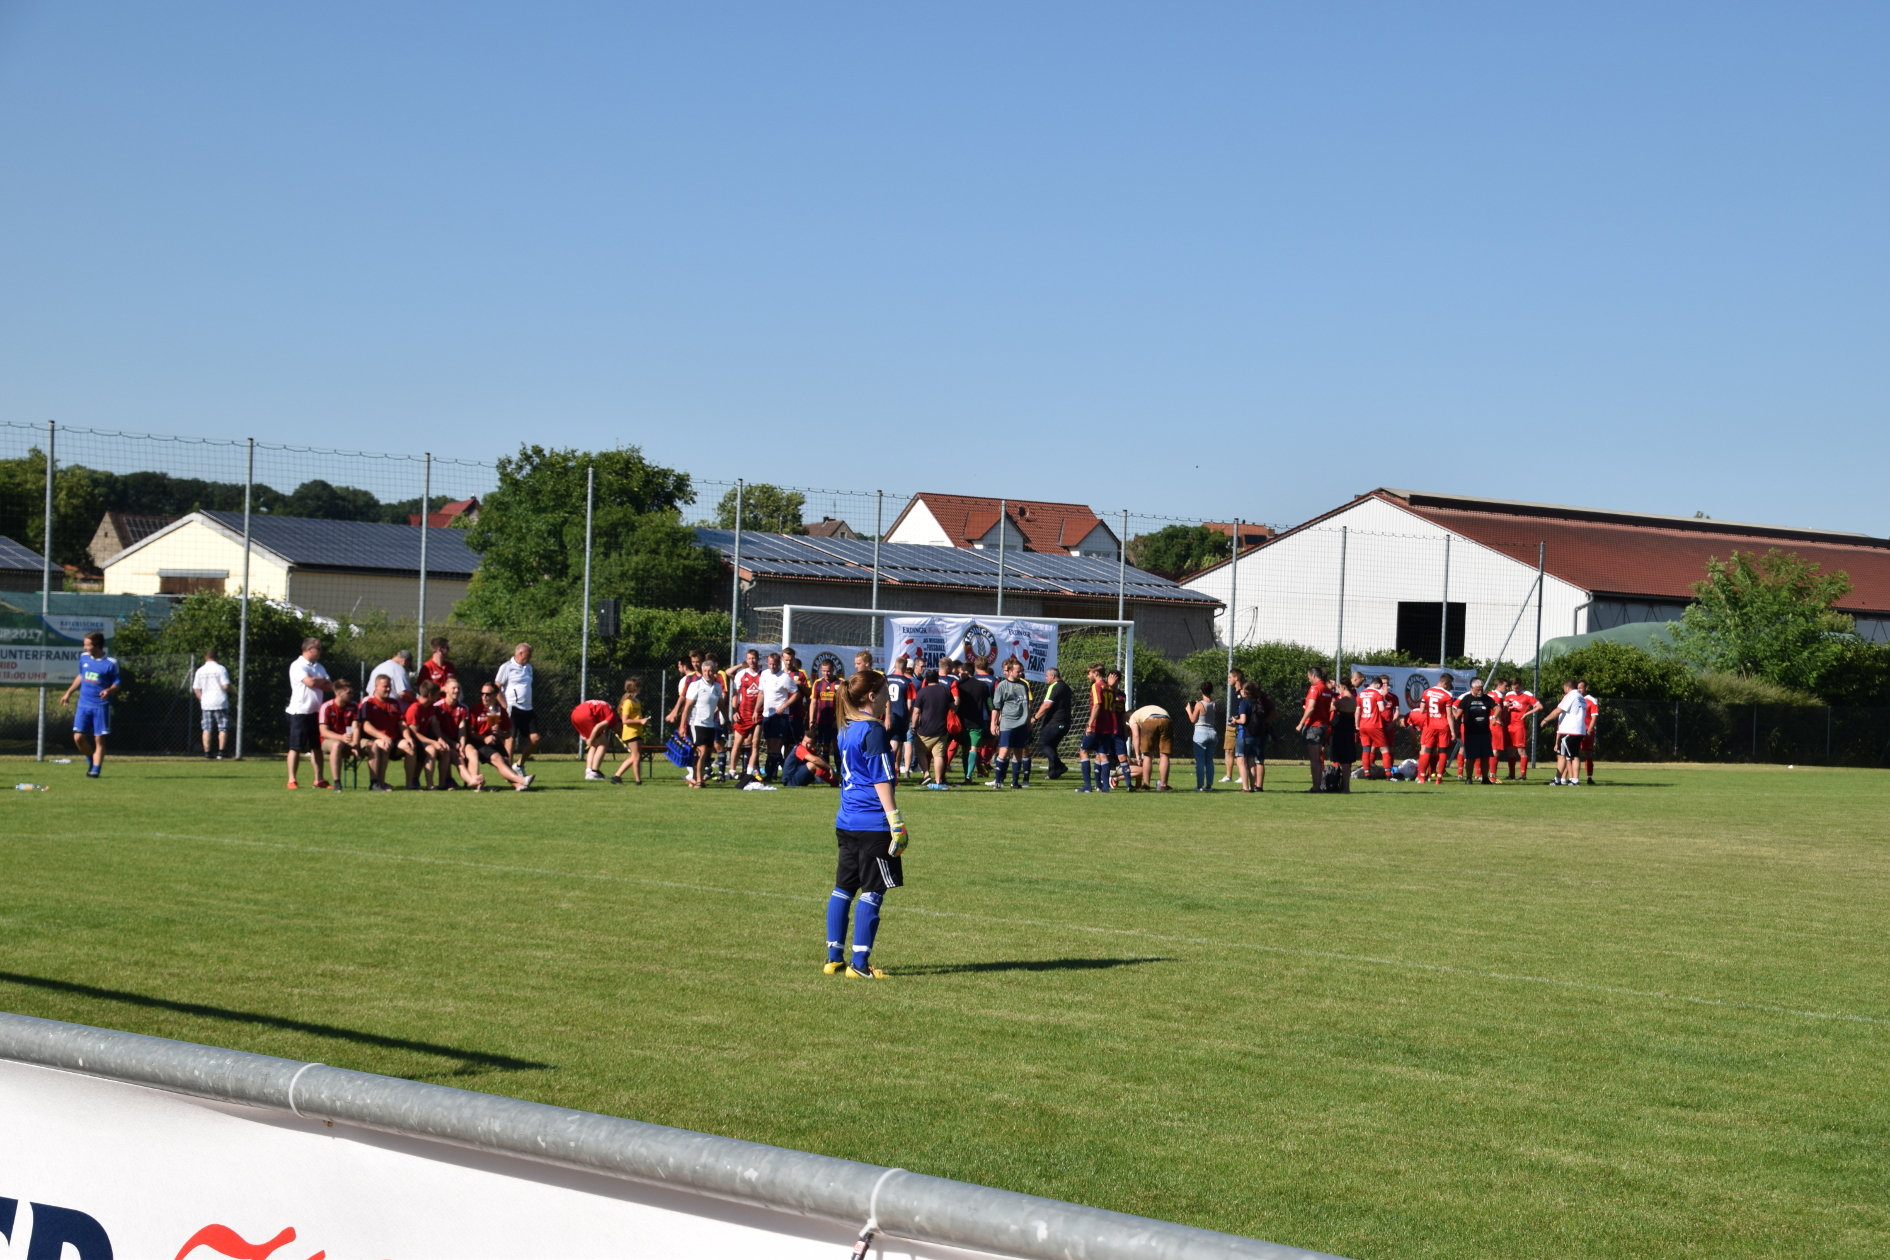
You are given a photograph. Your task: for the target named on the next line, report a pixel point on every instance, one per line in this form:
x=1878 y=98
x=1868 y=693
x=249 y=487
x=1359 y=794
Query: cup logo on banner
x=986 y=642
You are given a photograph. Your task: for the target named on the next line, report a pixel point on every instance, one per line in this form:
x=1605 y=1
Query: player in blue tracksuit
x=868 y=827
x=97 y=682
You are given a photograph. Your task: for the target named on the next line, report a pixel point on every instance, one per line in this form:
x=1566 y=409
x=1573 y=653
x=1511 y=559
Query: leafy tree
x=1858 y=674
x=211 y=619
x=1620 y=671
x=530 y=539
x=77 y=506
x=1770 y=617
x=1175 y=551
x=328 y=502
x=1157 y=680
x=765 y=509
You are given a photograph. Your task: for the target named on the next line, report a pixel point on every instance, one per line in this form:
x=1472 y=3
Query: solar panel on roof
x=15 y=556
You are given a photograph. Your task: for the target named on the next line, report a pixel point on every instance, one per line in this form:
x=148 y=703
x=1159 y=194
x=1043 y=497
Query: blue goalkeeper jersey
x=95 y=674
x=865 y=759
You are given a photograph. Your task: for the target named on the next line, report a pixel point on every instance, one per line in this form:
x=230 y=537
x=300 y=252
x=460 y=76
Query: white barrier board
x=91 y=1169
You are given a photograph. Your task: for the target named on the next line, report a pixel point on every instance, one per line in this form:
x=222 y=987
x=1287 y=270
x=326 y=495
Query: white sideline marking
x=1137 y=933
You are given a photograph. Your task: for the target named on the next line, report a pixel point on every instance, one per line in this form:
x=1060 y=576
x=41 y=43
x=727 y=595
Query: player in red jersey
x=451 y=717
x=431 y=760
x=339 y=724
x=384 y=732
x=1434 y=716
x=486 y=732
x=1315 y=719
x=1521 y=705
x=437 y=667
x=744 y=711
x=1588 y=740
x=1377 y=719
x=826 y=712
x=594 y=720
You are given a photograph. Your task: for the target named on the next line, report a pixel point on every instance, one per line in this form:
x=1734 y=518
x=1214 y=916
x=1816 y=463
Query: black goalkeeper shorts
x=864 y=865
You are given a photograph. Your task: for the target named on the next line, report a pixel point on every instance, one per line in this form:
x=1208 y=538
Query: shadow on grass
x=1029 y=964
x=473 y=1060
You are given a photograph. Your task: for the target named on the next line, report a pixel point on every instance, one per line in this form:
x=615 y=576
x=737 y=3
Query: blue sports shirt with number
x=865 y=759
x=95 y=674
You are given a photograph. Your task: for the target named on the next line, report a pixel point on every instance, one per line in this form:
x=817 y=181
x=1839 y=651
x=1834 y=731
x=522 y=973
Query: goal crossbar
x=1127 y=628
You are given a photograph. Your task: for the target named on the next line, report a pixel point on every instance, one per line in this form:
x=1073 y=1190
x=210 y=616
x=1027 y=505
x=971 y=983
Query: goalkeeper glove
x=900 y=836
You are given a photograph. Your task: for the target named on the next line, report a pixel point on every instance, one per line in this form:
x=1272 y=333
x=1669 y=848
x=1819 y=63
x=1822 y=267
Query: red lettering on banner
x=227 y=1242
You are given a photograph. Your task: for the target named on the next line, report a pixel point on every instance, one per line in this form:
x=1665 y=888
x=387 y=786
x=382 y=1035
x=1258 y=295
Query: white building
x=339 y=569
x=1394 y=568
x=960 y=520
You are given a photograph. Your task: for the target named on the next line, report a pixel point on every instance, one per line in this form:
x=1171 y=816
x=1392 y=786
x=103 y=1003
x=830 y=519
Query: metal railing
x=905 y=1204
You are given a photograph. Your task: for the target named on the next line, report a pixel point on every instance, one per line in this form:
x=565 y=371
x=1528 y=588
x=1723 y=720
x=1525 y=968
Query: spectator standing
x=899 y=691
x=1203 y=713
x=1053 y=722
x=701 y=708
x=932 y=709
x=974 y=712
x=211 y=685
x=1315 y=720
x=97 y=681
x=1571 y=723
x=514 y=681
x=309 y=685
x=1477 y=714
x=1236 y=681
x=399 y=670
x=630 y=713
x=777 y=714
x=437 y=668
x=1011 y=705
x=1588 y=736
x=1343 y=750
x=1256 y=726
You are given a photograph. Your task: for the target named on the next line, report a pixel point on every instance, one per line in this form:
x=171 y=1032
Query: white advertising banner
x=986 y=641
x=40 y=651
x=1409 y=683
x=93 y=1169
x=811 y=655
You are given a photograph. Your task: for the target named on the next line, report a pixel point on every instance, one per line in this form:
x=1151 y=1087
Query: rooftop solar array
x=911 y=564
x=14 y=556
x=356 y=544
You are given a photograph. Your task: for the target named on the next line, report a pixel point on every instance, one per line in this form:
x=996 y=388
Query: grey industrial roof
x=15 y=556
x=850 y=561
x=364 y=545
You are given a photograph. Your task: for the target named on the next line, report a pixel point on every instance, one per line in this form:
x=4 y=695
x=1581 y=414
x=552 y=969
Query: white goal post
x=1125 y=629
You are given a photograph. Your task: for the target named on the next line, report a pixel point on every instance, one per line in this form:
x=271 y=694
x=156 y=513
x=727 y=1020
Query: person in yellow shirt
x=630 y=712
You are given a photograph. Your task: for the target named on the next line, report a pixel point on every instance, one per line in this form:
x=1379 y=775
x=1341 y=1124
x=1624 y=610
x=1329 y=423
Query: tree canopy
x=1772 y=617
x=530 y=539
x=1175 y=551
x=765 y=508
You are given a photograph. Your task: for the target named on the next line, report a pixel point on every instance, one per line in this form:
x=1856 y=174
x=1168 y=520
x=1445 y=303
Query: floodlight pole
x=1002 y=505
x=584 y=651
x=735 y=594
x=1443 y=611
x=45 y=569
x=879 y=527
x=242 y=633
x=1542 y=551
x=426 y=497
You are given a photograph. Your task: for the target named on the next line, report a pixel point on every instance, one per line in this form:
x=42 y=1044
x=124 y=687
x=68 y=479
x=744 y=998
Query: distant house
x=1251 y=535
x=828 y=527
x=449 y=514
x=118 y=530
x=21 y=568
x=958 y=520
x=339 y=569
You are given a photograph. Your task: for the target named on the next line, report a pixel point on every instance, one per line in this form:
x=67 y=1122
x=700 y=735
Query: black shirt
x=1476 y=710
x=1060 y=698
x=931 y=705
x=974 y=702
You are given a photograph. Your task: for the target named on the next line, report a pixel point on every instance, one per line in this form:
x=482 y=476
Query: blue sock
x=1108 y=770
x=865 y=928
x=837 y=923
x=1086 y=774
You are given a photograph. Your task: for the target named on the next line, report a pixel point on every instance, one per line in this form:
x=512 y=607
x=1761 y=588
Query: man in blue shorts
x=97 y=682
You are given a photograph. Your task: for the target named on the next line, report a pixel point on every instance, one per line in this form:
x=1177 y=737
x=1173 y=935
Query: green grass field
x=1645 y=1019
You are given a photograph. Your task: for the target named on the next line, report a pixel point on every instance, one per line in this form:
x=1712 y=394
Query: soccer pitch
x=1645 y=1018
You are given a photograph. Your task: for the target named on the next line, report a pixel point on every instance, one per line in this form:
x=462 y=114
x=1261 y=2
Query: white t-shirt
x=213 y=682
x=705 y=702
x=515 y=683
x=1574 y=711
x=302 y=697
x=777 y=690
x=394 y=670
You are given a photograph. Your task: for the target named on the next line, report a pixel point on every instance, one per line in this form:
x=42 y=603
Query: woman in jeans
x=1202 y=714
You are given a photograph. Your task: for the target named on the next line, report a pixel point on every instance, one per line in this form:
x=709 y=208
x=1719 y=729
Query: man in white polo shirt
x=778 y=689
x=1571 y=723
x=211 y=685
x=514 y=681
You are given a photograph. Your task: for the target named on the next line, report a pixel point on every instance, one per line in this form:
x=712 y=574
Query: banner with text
x=1409 y=683
x=44 y=651
x=986 y=641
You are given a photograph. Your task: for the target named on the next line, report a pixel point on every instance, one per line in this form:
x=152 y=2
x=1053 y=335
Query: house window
x=1418 y=624
x=190 y=581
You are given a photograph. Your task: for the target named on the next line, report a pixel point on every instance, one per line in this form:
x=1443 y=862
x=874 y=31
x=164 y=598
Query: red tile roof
x=1659 y=557
x=1046 y=527
x=443 y=519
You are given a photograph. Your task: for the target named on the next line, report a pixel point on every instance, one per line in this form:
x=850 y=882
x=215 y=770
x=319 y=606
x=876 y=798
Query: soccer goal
x=815 y=632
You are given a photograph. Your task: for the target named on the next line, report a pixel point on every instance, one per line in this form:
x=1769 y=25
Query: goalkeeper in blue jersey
x=868 y=827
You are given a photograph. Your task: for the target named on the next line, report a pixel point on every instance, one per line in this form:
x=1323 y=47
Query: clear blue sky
x=1193 y=259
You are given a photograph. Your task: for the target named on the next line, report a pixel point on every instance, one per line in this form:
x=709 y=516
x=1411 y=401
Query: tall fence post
x=426 y=500
x=1535 y=688
x=1233 y=589
x=879 y=527
x=1676 y=730
x=1827 y=734
x=1443 y=610
x=45 y=566
x=1755 y=732
x=584 y=649
x=1003 y=506
x=1122 y=582
x=1338 y=648
x=242 y=634
x=735 y=594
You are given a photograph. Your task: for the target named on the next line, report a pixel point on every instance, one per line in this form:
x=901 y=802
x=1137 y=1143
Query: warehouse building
x=1423 y=572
